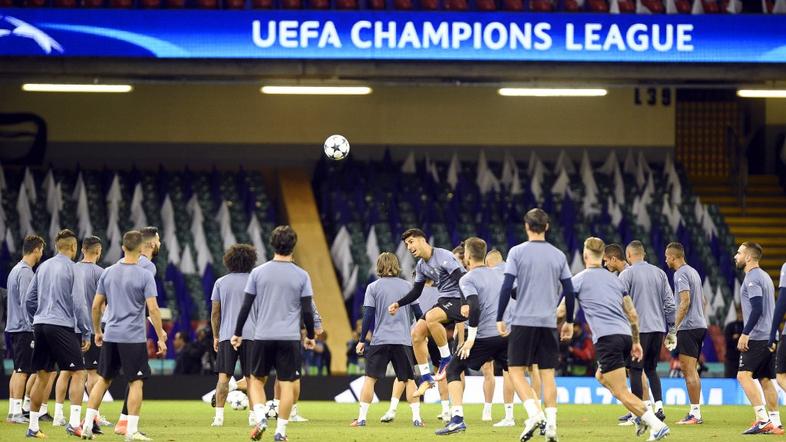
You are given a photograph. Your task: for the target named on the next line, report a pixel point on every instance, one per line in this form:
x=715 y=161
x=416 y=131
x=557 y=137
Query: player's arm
x=242 y=317
x=308 y=315
x=569 y=295
x=633 y=317
x=31 y=300
x=682 y=309
x=780 y=310
x=417 y=290
x=369 y=313
x=505 y=292
x=155 y=319
x=82 y=312
x=317 y=319
x=215 y=322
x=455 y=276
x=416 y=311
x=669 y=309
x=96 y=310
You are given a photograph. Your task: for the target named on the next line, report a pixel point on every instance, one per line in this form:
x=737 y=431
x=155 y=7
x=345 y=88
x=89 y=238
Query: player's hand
x=215 y=345
x=465 y=310
x=236 y=341
x=670 y=342
x=566 y=334
x=318 y=332
x=772 y=345
x=309 y=344
x=360 y=348
x=161 y=347
x=393 y=308
x=99 y=339
x=85 y=345
x=742 y=344
x=502 y=328
x=636 y=352
x=466 y=348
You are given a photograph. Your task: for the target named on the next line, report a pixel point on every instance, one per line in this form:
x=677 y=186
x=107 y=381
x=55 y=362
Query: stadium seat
x=376 y=4
x=404 y=5
x=597 y=6
x=121 y=4
x=683 y=6
x=627 y=6
x=175 y=4
x=485 y=5
x=290 y=4
x=429 y=5
x=6 y=3
x=234 y=4
x=206 y=4
x=93 y=3
x=654 y=6
x=346 y=4
x=456 y=5
x=711 y=6
x=512 y=5
x=35 y=3
x=150 y=4
x=65 y=3
x=572 y=6
x=318 y=4
x=541 y=5
x=262 y=4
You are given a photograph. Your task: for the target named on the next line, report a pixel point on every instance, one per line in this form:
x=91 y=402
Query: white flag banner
x=610 y=165
x=619 y=187
x=629 y=166
x=3 y=225
x=49 y=185
x=32 y=193
x=187 y=266
x=671 y=7
x=225 y=225
x=509 y=168
x=431 y=169
x=406 y=260
x=536 y=181
x=138 y=217
x=485 y=178
x=779 y=7
x=709 y=227
x=698 y=7
x=641 y=215
x=114 y=238
x=589 y=204
x=515 y=187
x=82 y=211
x=372 y=249
x=351 y=284
x=564 y=163
x=24 y=212
x=254 y=231
x=534 y=161
x=453 y=171
x=203 y=255
x=3 y=184
x=54 y=229
x=614 y=212
x=560 y=187
x=9 y=240
x=577 y=263
x=409 y=165
x=54 y=198
x=341 y=252
x=170 y=231
x=706 y=289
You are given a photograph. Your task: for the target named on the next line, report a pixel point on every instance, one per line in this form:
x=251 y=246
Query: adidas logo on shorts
x=71 y=365
x=139 y=373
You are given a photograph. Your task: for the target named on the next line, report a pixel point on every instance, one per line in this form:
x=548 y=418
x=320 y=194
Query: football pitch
x=329 y=421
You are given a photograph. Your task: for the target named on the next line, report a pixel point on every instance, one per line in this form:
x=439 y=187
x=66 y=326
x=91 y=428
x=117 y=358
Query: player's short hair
x=754 y=250
x=476 y=248
x=90 y=242
x=283 y=240
x=132 y=240
x=65 y=238
x=614 y=251
x=495 y=253
x=388 y=265
x=459 y=250
x=412 y=233
x=636 y=247
x=148 y=233
x=537 y=220
x=31 y=243
x=676 y=249
x=595 y=246
x=240 y=258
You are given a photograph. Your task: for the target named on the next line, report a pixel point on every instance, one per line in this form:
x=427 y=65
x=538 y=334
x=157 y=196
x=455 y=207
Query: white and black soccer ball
x=336 y=147
x=271 y=410
x=237 y=400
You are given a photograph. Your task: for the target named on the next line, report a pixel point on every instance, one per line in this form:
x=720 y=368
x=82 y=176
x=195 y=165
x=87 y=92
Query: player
x=757 y=297
x=539 y=269
x=614 y=258
x=90 y=272
x=151 y=244
x=227 y=297
x=125 y=288
x=55 y=301
x=615 y=332
x=691 y=326
x=284 y=299
x=391 y=341
x=481 y=287
x=442 y=267
x=649 y=288
x=780 y=358
x=19 y=330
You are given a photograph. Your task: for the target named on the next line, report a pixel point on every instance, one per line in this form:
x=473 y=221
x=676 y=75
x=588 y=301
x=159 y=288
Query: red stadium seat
x=485 y=5
x=346 y=4
x=711 y=6
x=456 y=5
x=65 y=3
x=291 y=4
x=598 y=5
x=35 y=3
x=175 y=4
x=121 y=4
x=429 y=5
x=376 y=4
x=572 y=6
x=234 y=4
x=627 y=6
x=318 y=4
x=683 y=6
x=405 y=5
x=541 y=5
x=512 y=5
x=93 y=3
x=262 y=4
x=150 y=4
x=207 y=4
x=655 y=6
x=6 y=3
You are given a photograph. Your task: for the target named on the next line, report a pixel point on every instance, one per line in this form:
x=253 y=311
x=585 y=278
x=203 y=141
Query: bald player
x=691 y=326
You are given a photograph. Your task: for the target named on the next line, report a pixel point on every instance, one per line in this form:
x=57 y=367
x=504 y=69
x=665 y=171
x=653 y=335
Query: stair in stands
x=763 y=220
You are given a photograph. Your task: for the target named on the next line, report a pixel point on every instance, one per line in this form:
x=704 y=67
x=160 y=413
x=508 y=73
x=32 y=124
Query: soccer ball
x=336 y=147
x=271 y=410
x=237 y=400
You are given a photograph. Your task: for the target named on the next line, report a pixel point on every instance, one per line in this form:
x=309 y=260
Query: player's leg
x=395 y=397
x=748 y=384
x=651 y=357
x=17 y=393
x=295 y=416
x=31 y=380
x=771 y=401
x=222 y=390
x=43 y=363
x=21 y=345
x=507 y=397
x=287 y=361
x=256 y=394
x=456 y=389
x=377 y=359
x=414 y=401
x=75 y=395
x=94 y=401
x=689 y=343
x=546 y=351
x=447 y=310
x=43 y=410
x=226 y=359
x=420 y=348
x=616 y=380
x=488 y=389
x=61 y=389
x=366 y=396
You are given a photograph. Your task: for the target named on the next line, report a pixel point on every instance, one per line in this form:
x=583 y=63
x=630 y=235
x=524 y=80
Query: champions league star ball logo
x=23 y=29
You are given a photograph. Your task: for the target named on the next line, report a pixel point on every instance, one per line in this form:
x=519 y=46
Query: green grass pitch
x=190 y=421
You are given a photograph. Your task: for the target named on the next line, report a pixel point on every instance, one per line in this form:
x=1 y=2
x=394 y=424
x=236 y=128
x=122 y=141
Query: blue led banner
x=365 y=35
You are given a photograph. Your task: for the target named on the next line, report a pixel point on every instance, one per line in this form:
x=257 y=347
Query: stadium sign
x=390 y=35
